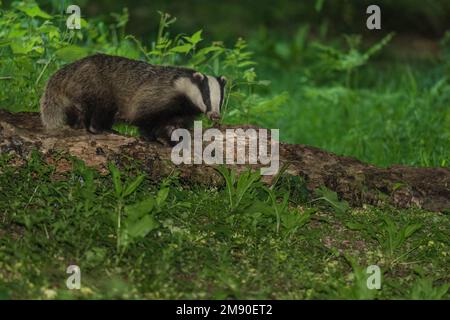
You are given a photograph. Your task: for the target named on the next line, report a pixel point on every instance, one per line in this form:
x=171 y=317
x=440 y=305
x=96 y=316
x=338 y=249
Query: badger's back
x=115 y=84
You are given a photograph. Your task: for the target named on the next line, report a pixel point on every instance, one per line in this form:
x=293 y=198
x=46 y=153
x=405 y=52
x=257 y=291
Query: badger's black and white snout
x=205 y=92
x=216 y=87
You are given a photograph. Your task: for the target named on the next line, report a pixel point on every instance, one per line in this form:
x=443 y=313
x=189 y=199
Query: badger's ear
x=198 y=76
x=223 y=80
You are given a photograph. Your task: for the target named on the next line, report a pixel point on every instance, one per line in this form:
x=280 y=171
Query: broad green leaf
x=246 y=64
x=136 y=211
x=264 y=82
x=17 y=32
x=196 y=37
x=21 y=47
x=50 y=30
x=32 y=9
x=24 y=46
x=71 y=53
x=294 y=219
x=185 y=48
x=142 y=227
x=331 y=197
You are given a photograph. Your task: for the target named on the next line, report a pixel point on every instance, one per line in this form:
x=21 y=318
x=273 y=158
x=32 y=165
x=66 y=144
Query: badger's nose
x=214 y=116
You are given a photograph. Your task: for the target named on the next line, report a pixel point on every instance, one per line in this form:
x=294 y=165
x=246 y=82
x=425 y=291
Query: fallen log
x=354 y=181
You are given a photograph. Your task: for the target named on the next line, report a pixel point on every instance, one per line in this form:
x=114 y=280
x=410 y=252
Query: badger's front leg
x=182 y=122
x=164 y=132
x=157 y=133
x=166 y=135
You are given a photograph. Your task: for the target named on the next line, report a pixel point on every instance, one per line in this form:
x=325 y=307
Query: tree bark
x=354 y=181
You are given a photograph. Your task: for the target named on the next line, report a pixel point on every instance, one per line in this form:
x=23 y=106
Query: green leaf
x=397 y=186
x=196 y=37
x=19 y=46
x=332 y=199
x=133 y=186
x=162 y=196
x=84 y=23
x=49 y=29
x=228 y=176
x=4 y=43
x=293 y=220
x=409 y=230
x=71 y=53
x=32 y=10
x=138 y=210
x=246 y=64
x=142 y=227
x=205 y=51
x=115 y=173
x=185 y=48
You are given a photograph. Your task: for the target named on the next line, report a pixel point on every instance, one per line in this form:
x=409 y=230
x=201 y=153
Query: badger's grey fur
x=97 y=91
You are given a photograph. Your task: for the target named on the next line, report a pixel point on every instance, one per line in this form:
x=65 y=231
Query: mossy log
x=354 y=181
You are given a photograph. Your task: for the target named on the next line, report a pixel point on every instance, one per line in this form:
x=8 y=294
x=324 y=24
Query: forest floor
x=192 y=245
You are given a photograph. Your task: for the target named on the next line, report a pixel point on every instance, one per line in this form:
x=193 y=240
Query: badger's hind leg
x=60 y=113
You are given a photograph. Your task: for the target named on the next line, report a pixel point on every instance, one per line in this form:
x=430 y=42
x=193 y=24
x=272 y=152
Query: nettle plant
x=348 y=61
x=33 y=44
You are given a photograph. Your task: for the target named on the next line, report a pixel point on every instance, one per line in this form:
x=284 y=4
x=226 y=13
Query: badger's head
x=205 y=92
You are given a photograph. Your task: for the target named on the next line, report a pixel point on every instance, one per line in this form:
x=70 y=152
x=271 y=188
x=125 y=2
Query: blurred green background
x=226 y=20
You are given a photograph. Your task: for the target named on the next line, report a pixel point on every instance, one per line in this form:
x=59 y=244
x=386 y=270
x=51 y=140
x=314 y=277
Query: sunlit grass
x=403 y=119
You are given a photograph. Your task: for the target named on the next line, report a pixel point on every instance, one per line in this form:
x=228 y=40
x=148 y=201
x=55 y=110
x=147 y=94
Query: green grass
x=380 y=109
x=202 y=243
x=399 y=115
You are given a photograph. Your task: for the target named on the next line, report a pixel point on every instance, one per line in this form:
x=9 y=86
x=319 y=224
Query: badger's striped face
x=213 y=96
x=206 y=92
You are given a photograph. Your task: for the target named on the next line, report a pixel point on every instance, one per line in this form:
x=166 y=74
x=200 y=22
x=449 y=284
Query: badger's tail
x=53 y=112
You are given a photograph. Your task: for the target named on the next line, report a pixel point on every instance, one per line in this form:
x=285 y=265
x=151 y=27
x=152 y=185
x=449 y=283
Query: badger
x=97 y=91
